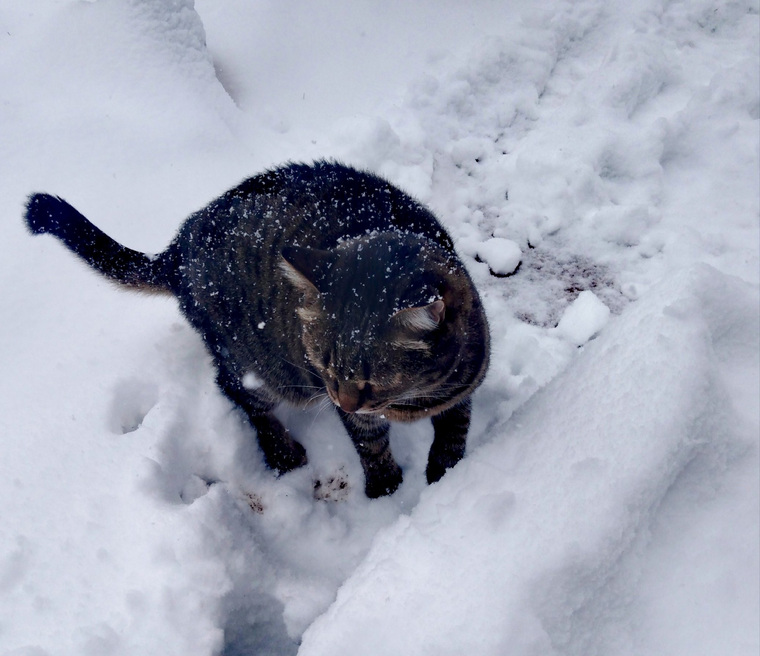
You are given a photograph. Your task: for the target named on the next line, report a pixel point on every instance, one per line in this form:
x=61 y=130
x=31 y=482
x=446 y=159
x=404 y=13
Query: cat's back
x=311 y=205
x=227 y=256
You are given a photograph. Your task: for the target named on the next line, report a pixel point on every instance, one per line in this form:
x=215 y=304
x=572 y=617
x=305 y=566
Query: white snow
x=583 y=318
x=501 y=255
x=609 y=500
x=502 y=563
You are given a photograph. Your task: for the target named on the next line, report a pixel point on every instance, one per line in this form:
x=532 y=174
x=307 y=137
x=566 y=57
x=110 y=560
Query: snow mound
x=519 y=550
x=501 y=255
x=583 y=319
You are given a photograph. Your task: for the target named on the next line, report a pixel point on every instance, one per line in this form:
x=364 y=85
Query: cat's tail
x=46 y=213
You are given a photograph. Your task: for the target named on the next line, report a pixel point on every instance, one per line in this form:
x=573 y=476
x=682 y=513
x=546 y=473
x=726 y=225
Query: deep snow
x=609 y=500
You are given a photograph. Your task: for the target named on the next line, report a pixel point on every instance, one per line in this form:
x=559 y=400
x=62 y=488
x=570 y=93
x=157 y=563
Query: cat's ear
x=305 y=267
x=421 y=319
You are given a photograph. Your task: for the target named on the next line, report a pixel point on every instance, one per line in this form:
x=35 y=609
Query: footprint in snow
x=132 y=400
x=332 y=488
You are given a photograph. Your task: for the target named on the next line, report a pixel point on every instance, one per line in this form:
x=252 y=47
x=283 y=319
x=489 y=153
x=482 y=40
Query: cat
x=316 y=281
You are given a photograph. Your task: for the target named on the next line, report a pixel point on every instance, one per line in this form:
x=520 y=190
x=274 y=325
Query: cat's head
x=378 y=317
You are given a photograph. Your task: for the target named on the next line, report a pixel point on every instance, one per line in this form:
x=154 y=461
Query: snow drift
x=533 y=545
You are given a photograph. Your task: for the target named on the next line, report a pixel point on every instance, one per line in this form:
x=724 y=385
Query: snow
x=491 y=553
x=501 y=255
x=609 y=499
x=583 y=318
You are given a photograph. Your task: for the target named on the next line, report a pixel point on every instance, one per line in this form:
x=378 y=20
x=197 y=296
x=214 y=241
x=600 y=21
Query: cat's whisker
x=323 y=404
x=318 y=395
x=309 y=371
x=306 y=387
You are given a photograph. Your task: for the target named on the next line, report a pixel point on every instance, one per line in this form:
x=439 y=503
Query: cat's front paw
x=442 y=459
x=281 y=452
x=382 y=479
x=286 y=456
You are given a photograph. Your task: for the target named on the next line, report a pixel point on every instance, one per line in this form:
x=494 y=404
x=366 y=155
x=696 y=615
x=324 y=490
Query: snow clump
x=501 y=255
x=583 y=319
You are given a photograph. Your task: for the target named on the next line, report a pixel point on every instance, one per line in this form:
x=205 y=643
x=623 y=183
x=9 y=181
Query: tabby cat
x=316 y=280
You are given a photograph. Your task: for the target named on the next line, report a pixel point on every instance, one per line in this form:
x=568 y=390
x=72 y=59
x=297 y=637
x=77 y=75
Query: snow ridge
x=599 y=497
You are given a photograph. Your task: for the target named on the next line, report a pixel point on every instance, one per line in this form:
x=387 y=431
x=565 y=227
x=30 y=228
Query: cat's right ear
x=305 y=267
x=421 y=319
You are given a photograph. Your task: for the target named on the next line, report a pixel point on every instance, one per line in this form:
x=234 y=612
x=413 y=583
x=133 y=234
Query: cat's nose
x=348 y=398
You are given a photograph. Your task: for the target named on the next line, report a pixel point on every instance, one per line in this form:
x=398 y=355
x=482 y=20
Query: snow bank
x=519 y=550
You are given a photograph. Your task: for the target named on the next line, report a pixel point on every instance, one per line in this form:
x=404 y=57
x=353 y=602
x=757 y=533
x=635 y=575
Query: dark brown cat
x=317 y=280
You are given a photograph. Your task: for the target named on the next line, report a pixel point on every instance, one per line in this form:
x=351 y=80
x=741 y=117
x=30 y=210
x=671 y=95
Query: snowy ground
x=609 y=501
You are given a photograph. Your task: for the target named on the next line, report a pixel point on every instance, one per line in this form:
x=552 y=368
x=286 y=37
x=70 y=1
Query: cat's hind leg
x=382 y=475
x=281 y=452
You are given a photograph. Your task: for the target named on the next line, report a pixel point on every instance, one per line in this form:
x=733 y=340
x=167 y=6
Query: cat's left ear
x=305 y=267
x=422 y=319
